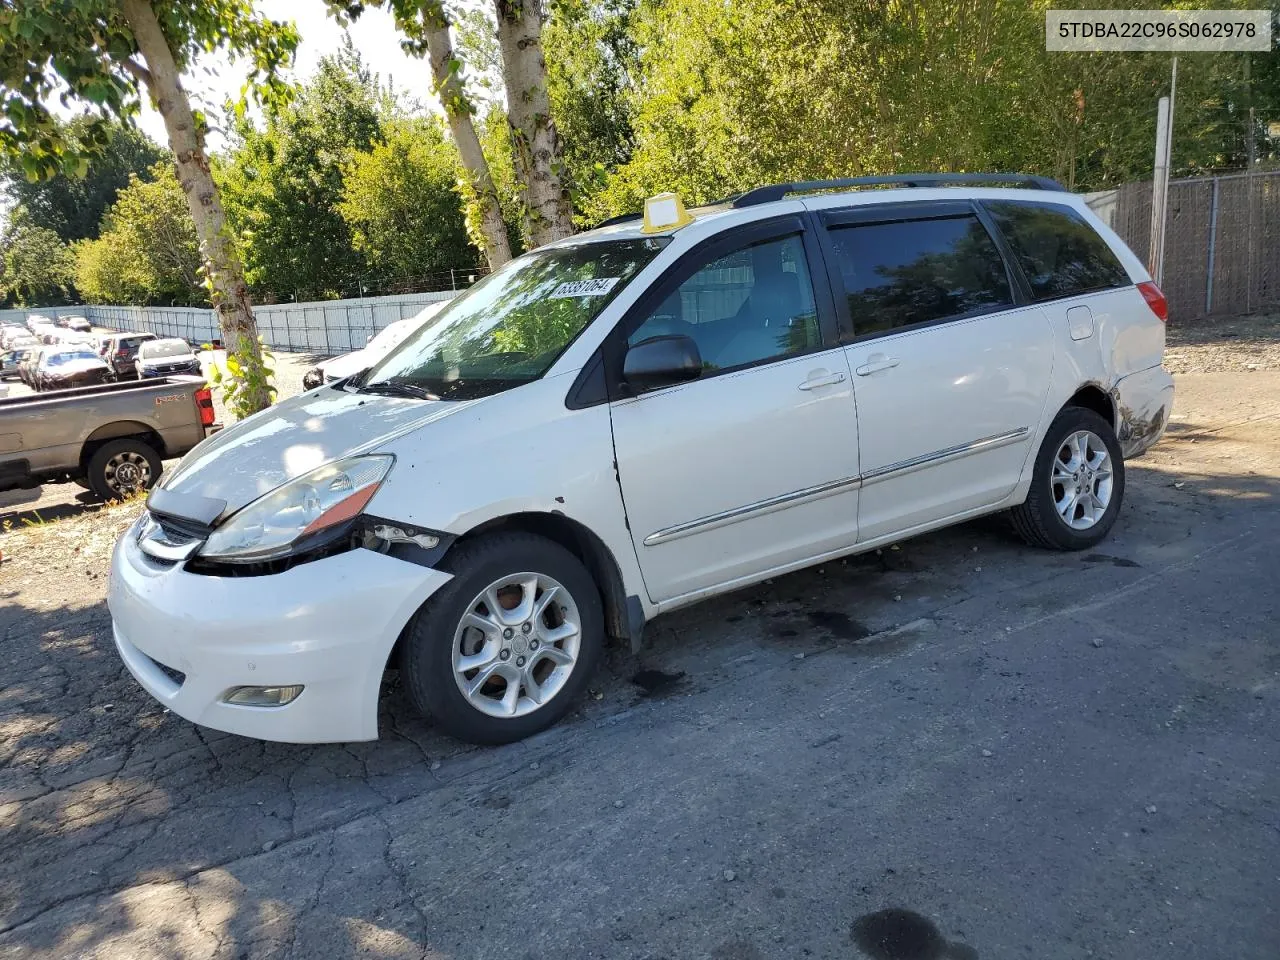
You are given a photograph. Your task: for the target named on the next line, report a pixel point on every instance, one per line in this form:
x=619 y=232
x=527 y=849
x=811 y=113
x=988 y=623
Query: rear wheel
x=1077 y=485
x=504 y=648
x=121 y=468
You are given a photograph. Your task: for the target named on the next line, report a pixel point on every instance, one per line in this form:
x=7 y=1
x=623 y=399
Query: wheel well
x=1094 y=398
x=584 y=545
x=118 y=431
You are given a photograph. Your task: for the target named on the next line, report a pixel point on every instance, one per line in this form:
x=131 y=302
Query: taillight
x=1155 y=300
x=204 y=404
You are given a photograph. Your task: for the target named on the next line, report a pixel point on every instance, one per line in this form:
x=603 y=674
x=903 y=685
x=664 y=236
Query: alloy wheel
x=1081 y=481
x=516 y=645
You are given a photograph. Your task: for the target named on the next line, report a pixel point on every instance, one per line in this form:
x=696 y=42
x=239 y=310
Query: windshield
x=60 y=358
x=509 y=328
x=152 y=349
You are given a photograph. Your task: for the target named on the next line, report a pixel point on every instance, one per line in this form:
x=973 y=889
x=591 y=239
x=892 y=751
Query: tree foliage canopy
x=284 y=183
x=85 y=53
x=148 y=251
x=72 y=206
x=36 y=266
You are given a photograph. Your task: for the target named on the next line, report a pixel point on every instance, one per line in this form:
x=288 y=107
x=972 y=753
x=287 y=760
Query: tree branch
x=137 y=71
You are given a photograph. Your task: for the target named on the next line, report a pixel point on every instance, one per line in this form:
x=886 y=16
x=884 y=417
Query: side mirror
x=661 y=361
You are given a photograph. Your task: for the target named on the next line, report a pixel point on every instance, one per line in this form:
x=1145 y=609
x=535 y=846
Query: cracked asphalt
x=1022 y=753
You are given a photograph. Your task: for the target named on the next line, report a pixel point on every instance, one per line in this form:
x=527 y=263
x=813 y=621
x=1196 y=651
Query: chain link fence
x=1222 y=240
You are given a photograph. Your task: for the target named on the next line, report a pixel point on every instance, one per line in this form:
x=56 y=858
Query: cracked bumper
x=1144 y=400
x=328 y=625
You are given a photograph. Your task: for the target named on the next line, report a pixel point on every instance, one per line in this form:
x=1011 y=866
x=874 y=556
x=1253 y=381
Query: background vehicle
x=10 y=332
x=69 y=366
x=27 y=365
x=110 y=438
x=79 y=324
x=166 y=357
x=380 y=344
x=10 y=360
x=122 y=353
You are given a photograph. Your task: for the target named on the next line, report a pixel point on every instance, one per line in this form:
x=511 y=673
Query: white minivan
x=635 y=418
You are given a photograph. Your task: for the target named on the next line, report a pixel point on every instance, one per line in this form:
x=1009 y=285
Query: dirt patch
x=1218 y=346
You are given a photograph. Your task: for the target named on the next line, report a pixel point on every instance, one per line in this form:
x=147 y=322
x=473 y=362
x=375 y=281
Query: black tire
x=1037 y=520
x=102 y=474
x=426 y=660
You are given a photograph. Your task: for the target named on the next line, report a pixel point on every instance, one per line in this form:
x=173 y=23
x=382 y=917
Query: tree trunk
x=483 y=199
x=539 y=157
x=229 y=292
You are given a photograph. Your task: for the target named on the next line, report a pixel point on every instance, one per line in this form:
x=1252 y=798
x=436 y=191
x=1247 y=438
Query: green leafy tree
x=400 y=204
x=283 y=183
x=102 y=55
x=148 y=251
x=37 y=265
x=592 y=56
x=73 y=206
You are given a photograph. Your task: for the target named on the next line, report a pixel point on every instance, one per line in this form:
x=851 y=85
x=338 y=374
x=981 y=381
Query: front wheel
x=504 y=648
x=1077 y=485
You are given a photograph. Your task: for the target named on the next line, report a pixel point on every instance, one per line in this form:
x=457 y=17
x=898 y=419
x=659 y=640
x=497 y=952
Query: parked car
x=10 y=360
x=69 y=366
x=379 y=345
x=10 y=332
x=166 y=357
x=122 y=354
x=634 y=419
x=27 y=365
x=110 y=438
x=79 y=324
x=33 y=319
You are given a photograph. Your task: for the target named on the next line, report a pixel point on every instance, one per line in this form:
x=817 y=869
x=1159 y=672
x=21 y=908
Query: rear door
x=951 y=363
x=754 y=464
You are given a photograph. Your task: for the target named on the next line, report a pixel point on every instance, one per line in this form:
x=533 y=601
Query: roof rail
x=621 y=218
x=779 y=190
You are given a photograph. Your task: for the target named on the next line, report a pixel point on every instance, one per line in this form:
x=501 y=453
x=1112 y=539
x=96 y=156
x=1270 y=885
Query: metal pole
x=1213 y=249
x=1168 y=161
x=1159 y=186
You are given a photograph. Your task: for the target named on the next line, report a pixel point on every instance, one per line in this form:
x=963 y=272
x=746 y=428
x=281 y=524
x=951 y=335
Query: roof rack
x=779 y=190
x=621 y=218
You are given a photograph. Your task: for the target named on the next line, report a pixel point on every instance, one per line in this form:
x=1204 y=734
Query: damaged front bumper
x=1144 y=401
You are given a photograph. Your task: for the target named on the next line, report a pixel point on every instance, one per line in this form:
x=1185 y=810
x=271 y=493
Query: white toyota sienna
x=630 y=420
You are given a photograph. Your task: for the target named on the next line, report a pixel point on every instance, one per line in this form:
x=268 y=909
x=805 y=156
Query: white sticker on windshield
x=584 y=288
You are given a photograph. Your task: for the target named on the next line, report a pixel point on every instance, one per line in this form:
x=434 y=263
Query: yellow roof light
x=663 y=213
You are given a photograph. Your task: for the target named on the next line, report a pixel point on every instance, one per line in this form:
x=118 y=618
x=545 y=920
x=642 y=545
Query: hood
x=339 y=368
x=72 y=367
x=167 y=361
x=244 y=461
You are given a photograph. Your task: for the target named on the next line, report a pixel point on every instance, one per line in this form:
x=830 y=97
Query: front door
x=950 y=374
x=754 y=464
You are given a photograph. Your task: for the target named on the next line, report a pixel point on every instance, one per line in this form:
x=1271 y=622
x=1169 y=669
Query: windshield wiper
x=398 y=388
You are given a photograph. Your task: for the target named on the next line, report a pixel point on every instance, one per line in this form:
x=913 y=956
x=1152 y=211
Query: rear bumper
x=1144 y=400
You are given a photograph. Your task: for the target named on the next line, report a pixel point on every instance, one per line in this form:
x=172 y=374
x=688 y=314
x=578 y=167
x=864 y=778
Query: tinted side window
x=752 y=305
x=918 y=271
x=1057 y=249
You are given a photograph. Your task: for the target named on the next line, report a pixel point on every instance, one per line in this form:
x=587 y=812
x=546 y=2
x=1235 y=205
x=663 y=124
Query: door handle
x=827 y=380
x=875 y=366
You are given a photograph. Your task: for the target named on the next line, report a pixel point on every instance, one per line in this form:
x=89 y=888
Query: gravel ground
x=957 y=748
x=1215 y=346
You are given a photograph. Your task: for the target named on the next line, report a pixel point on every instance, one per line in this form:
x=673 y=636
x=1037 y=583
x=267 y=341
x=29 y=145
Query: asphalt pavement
x=963 y=747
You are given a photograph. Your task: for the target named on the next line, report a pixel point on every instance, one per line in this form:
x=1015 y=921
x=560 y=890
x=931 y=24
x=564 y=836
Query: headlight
x=268 y=528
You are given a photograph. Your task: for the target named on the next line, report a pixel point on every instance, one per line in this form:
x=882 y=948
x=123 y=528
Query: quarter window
x=1059 y=252
x=919 y=271
x=752 y=305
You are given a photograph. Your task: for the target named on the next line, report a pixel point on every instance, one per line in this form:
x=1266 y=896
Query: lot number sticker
x=584 y=288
